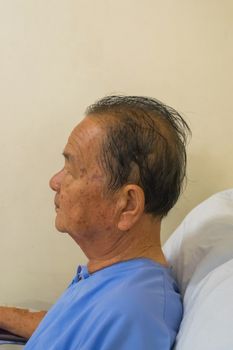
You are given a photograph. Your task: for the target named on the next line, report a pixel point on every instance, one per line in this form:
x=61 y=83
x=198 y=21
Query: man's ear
x=131 y=206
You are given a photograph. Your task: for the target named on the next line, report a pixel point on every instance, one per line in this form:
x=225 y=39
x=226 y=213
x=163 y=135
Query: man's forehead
x=88 y=128
x=85 y=136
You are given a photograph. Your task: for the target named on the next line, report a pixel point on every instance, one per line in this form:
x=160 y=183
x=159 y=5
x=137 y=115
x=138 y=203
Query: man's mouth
x=56 y=205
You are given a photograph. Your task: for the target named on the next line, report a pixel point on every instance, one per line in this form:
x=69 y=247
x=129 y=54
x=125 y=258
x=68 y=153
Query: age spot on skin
x=83 y=172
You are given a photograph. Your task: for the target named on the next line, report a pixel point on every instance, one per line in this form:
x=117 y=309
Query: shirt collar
x=82 y=272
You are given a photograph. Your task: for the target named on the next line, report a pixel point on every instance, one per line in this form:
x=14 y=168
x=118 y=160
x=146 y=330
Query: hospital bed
x=200 y=253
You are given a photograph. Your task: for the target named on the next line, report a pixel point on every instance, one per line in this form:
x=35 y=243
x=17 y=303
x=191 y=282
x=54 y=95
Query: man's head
x=125 y=159
x=144 y=144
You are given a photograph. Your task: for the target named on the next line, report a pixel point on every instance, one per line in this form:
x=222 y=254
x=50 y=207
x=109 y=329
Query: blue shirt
x=131 y=305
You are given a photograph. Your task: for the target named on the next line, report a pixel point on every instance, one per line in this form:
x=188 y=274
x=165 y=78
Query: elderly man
x=124 y=167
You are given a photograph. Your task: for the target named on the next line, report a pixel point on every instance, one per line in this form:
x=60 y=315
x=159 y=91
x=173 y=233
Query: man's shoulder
x=139 y=289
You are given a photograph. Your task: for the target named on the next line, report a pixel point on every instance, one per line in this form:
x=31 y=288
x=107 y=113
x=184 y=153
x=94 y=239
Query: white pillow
x=203 y=241
x=200 y=253
x=208 y=314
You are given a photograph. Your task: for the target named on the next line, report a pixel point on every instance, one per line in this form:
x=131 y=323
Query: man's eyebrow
x=67 y=155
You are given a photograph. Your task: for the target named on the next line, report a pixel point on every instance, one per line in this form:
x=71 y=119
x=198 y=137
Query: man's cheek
x=65 y=201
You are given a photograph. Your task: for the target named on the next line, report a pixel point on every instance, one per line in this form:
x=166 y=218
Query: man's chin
x=59 y=226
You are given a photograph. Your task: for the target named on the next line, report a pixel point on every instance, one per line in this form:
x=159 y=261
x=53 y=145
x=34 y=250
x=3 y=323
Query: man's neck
x=143 y=242
x=95 y=265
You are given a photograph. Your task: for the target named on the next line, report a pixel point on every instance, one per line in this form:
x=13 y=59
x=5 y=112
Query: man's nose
x=55 y=181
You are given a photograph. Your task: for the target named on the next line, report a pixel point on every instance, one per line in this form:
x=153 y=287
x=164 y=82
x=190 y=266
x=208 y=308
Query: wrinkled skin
x=108 y=228
x=82 y=209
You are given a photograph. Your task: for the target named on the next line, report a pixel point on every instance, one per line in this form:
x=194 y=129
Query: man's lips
x=56 y=205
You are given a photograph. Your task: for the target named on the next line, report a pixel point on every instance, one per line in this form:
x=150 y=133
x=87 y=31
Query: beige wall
x=58 y=56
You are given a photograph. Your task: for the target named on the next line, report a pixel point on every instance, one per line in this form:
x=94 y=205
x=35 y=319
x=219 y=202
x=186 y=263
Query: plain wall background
x=59 y=56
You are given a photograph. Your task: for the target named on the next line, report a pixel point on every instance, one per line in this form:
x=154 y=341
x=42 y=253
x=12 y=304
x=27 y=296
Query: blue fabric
x=129 y=305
